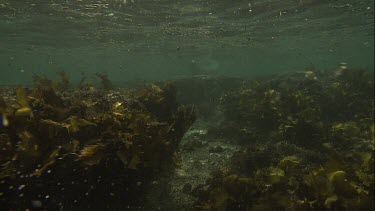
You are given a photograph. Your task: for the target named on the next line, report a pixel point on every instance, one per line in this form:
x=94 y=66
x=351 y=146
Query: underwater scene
x=200 y=105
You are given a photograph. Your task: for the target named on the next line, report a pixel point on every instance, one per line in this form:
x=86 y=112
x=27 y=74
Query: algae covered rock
x=307 y=144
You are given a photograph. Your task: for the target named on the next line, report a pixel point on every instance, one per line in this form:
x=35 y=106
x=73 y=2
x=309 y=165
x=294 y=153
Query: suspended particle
x=21 y=187
x=36 y=203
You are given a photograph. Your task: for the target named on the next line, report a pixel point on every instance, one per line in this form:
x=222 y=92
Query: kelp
x=65 y=82
x=288 y=108
x=105 y=81
x=42 y=81
x=291 y=186
x=85 y=141
x=307 y=144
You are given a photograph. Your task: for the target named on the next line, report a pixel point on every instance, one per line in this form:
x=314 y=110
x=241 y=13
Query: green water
x=166 y=39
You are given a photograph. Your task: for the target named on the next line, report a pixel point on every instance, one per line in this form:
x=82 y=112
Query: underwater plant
x=105 y=81
x=102 y=145
x=307 y=144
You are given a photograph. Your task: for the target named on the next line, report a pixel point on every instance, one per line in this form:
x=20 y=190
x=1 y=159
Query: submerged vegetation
x=308 y=144
x=303 y=141
x=82 y=149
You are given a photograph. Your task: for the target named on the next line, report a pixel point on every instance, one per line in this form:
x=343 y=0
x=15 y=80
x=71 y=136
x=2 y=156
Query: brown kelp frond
x=54 y=138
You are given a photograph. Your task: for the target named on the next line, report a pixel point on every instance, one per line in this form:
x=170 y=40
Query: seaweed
x=65 y=82
x=307 y=144
x=83 y=142
x=105 y=81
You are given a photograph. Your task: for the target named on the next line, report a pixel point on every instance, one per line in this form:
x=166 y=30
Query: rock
x=194 y=144
x=186 y=189
x=216 y=149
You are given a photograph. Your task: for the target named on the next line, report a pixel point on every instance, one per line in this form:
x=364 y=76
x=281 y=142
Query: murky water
x=135 y=39
x=201 y=105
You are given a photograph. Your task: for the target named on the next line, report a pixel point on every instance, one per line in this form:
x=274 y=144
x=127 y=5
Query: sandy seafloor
x=196 y=166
